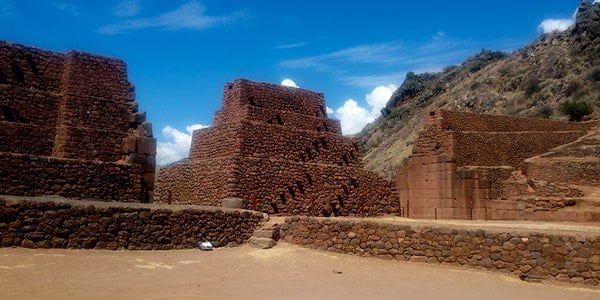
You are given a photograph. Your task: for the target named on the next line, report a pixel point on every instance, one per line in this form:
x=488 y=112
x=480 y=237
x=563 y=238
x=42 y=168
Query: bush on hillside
x=532 y=86
x=576 y=110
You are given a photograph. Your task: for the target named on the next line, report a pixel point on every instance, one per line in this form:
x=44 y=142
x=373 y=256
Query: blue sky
x=181 y=53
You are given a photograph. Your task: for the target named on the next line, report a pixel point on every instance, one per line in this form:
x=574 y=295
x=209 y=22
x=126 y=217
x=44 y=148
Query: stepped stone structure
x=274 y=149
x=471 y=166
x=70 y=126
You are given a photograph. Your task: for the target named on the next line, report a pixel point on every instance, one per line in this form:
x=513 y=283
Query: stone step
x=262 y=243
x=267 y=235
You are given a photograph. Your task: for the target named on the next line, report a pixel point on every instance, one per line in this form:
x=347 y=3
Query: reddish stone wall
x=196 y=181
x=72 y=106
x=506 y=148
x=30 y=175
x=458 y=166
x=60 y=223
x=460 y=121
x=274 y=147
x=564 y=256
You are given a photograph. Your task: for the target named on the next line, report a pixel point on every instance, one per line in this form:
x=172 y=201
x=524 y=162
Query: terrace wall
x=60 y=223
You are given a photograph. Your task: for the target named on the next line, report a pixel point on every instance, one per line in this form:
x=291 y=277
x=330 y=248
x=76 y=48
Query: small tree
x=576 y=110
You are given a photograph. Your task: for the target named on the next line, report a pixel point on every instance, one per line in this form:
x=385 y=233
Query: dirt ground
x=284 y=272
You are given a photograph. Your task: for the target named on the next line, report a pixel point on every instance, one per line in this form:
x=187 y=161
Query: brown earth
x=284 y=272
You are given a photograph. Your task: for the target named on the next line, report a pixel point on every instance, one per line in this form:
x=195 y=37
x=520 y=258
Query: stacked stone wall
x=246 y=93
x=564 y=256
x=192 y=182
x=76 y=106
x=298 y=145
x=460 y=161
x=29 y=106
x=506 y=148
x=26 y=138
x=295 y=120
x=460 y=121
x=212 y=143
x=283 y=156
x=30 y=175
x=24 y=66
x=57 y=223
x=311 y=189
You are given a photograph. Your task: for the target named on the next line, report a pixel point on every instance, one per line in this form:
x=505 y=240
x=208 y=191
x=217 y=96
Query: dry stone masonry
x=471 y=166
x=274 y=147
x=70 y=126
x=564 y=256
x=61 y=223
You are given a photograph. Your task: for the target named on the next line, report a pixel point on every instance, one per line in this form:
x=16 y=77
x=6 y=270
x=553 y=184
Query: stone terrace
x=70 y=126
x=471 y=166
x=274 y=147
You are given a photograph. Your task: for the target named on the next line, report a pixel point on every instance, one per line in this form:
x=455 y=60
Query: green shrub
x=576 y=110
x=532 y=86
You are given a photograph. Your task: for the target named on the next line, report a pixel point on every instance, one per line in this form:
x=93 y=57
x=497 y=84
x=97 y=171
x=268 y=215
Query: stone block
x=149 y=179
x=233 y=202
x=129 y=145
x=146 y=146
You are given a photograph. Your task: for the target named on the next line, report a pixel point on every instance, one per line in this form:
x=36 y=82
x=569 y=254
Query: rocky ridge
x=532 y=81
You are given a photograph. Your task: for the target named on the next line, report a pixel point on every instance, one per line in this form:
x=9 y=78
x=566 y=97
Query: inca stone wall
x=61 y=223
x=274 y=147
x=565 y=256
x=69 y=125
x=470 y=166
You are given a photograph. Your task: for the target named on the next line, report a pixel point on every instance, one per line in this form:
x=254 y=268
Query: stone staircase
x=267 y=235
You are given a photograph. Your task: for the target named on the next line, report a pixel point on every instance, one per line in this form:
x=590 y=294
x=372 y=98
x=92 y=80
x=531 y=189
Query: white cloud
x=555 y=25
x=354 y=117
x=177 y=145
x=289 y=82
x=329 y=110
x=190 y=16
x=383 y=53
x=290 y=46
x=66 y=7
x=438 y=36
x=127 y=8
x=379 y=97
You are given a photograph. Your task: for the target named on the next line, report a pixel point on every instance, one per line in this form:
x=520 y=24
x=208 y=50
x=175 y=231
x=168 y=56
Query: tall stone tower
x=275 y=147
x=70 y=126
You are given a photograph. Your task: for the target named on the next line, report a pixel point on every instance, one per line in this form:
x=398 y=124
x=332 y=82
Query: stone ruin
x=274 y=147
x=471 y=166
x=70 y=126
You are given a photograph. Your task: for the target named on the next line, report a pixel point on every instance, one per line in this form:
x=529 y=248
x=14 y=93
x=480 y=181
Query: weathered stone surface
x=454 y=173
x=275 y=147
x=104 y=225
x=505 y=251
x=233 y=202
x=262 y=243
x=65 y=127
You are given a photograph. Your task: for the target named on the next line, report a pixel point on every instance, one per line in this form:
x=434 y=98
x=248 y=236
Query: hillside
x=532 y=81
